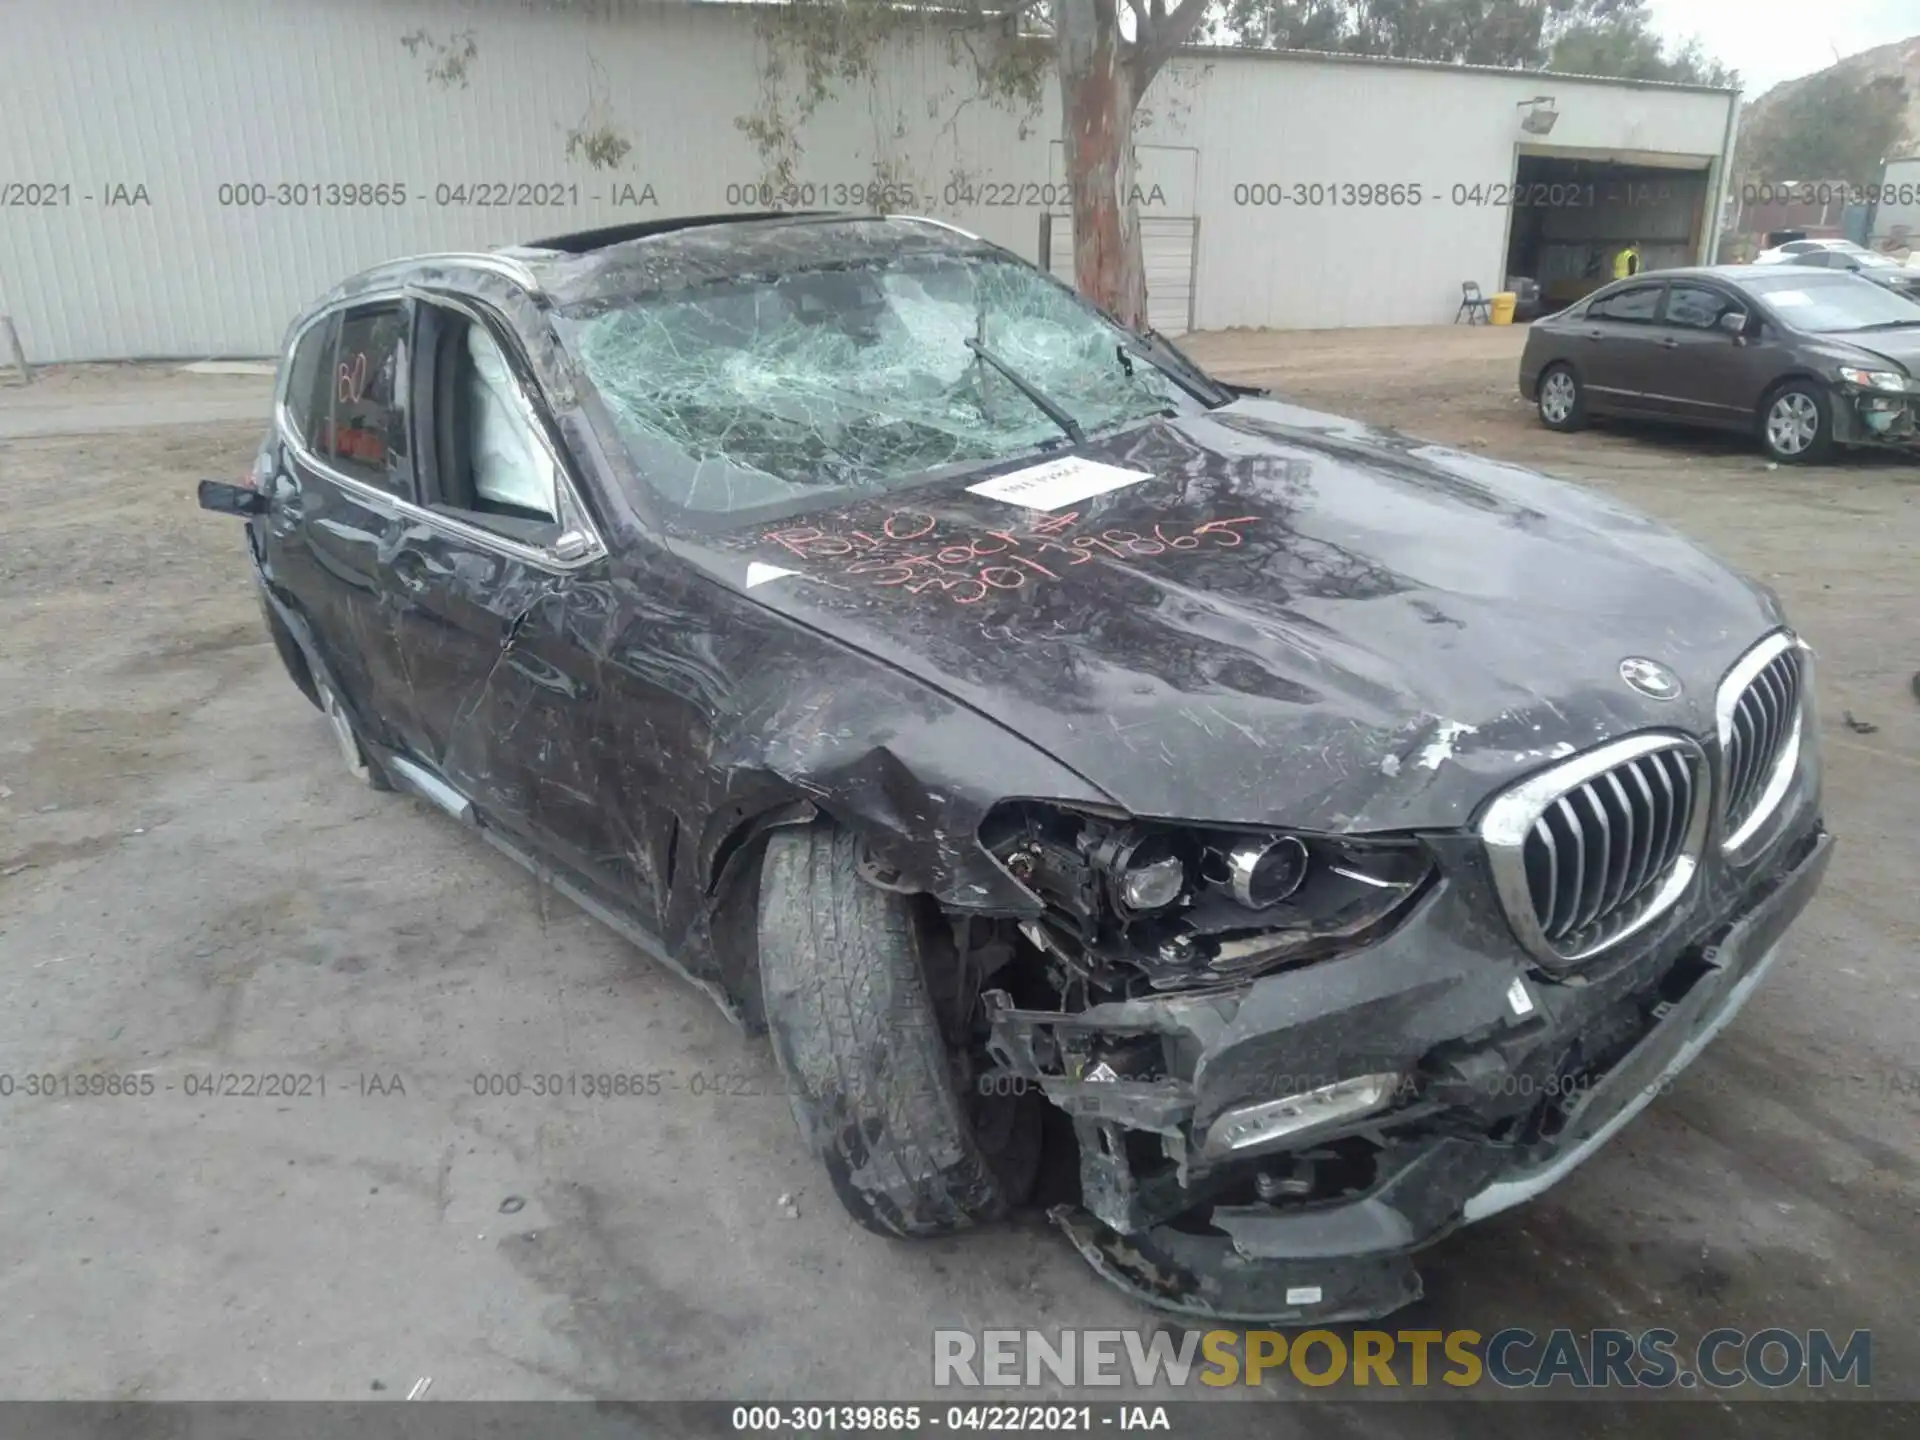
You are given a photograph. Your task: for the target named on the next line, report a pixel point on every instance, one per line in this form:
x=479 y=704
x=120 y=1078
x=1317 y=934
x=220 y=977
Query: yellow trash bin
x=1501 y=311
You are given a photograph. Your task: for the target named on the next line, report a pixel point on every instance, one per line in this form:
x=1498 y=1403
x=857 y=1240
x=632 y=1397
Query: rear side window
x=309 y=381
x=1637 y=304
x=367 y=434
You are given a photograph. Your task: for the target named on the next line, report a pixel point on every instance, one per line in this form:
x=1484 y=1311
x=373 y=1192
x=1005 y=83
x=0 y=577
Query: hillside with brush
x=1840 y=123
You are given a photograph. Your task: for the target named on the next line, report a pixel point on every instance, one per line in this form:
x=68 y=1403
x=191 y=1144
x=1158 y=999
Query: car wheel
x=1796 y=423
x=359 y=764
x=1563 y=404
x=911 y=1147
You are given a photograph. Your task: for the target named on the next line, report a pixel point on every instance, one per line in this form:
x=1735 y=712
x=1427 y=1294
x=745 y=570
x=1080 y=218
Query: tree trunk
x=1097 y=101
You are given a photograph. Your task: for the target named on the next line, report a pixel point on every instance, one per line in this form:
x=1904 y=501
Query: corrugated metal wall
x=183 y=97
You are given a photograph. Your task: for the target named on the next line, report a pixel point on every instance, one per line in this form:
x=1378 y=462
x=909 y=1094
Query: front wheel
x=1796 y=423
x=879 y=1093
x=1563 y=404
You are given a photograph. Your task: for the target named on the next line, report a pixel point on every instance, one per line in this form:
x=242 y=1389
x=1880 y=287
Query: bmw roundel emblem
x=1650 y=678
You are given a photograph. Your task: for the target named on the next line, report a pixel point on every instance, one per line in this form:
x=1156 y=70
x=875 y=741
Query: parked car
x=1346 y=833
x=1789 y=251
x=1804 y=358
x=1868 y=265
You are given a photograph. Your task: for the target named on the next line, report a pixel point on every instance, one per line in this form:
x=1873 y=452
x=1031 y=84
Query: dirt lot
x=189 y=886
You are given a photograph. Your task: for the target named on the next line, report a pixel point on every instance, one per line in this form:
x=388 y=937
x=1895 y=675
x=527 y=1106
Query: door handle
x=1593 y=334
x=1669 y=344
x=410 y=569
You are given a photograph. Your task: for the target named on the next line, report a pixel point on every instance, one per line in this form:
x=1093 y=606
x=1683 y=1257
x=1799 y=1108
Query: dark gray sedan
x=1804 y=358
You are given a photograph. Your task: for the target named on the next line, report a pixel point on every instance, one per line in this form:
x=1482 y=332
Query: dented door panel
x=504 y=695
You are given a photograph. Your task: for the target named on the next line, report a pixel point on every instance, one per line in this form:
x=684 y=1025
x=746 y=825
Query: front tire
x=1562 y=400
x=1796 y=423
x=869 y=1073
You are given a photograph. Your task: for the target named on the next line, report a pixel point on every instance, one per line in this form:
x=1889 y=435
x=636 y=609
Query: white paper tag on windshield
x=1057 y=483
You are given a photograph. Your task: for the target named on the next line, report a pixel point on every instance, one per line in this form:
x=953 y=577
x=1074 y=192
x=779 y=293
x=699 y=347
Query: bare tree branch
x=1167 y=34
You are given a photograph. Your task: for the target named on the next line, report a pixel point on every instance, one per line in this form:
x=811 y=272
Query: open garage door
x=1575 y=210
x=1166 y=252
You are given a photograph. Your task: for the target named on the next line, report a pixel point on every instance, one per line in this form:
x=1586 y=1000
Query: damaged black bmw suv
x=1347 y=833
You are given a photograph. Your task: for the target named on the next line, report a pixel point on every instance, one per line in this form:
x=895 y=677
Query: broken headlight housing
x=1187 y=905
x=1873 y=379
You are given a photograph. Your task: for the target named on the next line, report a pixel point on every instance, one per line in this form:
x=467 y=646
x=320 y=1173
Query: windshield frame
x=630 y=465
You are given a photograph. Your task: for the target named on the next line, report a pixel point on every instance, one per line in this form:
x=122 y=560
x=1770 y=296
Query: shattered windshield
x=760 y=391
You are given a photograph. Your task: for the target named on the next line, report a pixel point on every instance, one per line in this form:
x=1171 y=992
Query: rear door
x=1619 y=339
x=342 y=473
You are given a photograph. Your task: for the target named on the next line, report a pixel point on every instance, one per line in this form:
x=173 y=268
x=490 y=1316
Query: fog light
x=1253 y=1126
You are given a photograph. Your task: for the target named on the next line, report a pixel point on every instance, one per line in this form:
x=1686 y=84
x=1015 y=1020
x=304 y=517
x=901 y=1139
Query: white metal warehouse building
x=166 y=166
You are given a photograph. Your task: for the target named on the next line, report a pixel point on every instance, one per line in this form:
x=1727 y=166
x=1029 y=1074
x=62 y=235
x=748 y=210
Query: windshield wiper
x=1177 y=367
x=1027 y=388
x=1886 y=325
x=1128 y=353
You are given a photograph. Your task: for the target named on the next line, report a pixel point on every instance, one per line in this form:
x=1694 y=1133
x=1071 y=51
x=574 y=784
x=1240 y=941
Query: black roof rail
x=582 y=241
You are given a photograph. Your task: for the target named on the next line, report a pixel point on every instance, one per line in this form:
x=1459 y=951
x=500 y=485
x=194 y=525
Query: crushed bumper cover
x=1464 y=1158
x=1865 y=416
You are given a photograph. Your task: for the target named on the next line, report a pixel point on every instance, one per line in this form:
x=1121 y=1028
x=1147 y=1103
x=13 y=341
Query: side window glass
x=1635 y=305
x=1695 y=307
x=369 y=431
x=489 y=464
x=511 y=471
x=309 y=382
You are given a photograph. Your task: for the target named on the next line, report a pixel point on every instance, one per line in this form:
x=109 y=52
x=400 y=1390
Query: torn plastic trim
x=638 y=936
x=1205 y=1276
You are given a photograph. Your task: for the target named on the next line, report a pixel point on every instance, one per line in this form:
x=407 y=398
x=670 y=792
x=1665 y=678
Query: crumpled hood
x=1296 y=620
x=1900 y=346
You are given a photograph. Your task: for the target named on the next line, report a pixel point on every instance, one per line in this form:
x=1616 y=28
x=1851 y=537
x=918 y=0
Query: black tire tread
x=856 y=1035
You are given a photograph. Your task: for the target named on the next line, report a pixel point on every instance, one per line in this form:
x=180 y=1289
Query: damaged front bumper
x=1503 y=1079
x=1863 y=415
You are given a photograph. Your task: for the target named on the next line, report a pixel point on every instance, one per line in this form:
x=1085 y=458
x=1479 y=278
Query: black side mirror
x=228 y=499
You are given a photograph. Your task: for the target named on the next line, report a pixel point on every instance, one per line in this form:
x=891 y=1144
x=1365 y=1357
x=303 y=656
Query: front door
x=1698 y=369
x=500 y=583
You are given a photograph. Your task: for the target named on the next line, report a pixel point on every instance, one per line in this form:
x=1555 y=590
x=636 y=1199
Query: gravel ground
x=189 y=885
